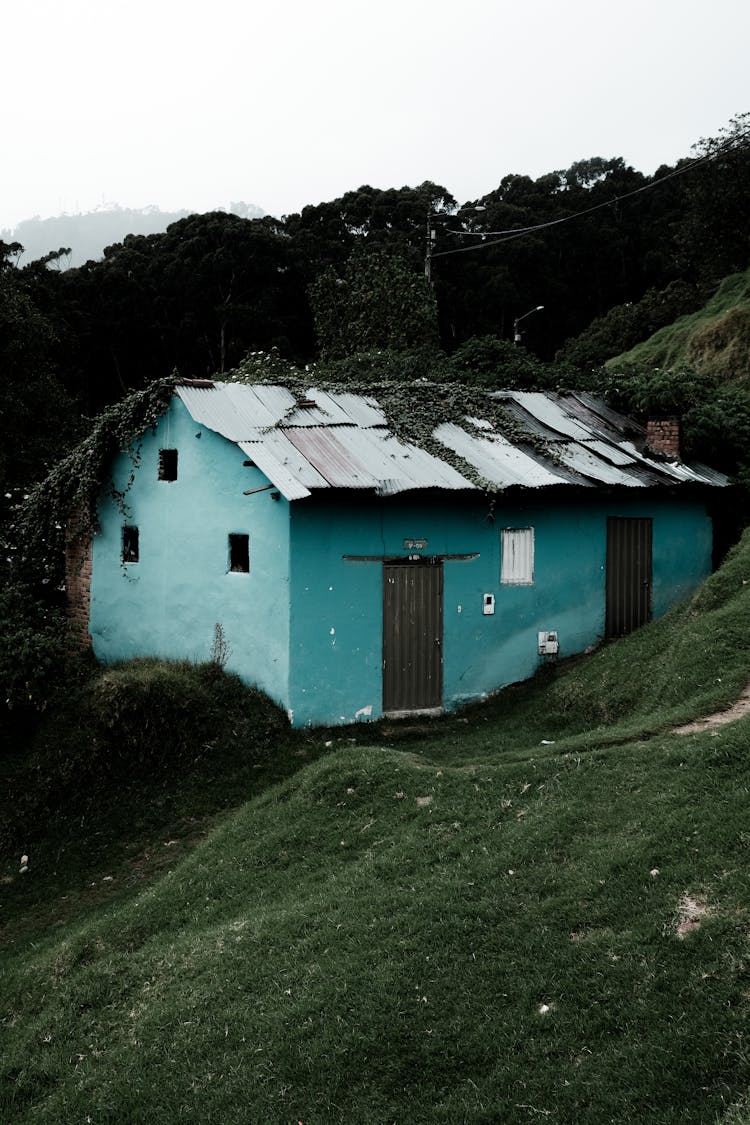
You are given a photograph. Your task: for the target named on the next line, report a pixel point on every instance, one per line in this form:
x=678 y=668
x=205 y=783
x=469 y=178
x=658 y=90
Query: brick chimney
x=663 y=438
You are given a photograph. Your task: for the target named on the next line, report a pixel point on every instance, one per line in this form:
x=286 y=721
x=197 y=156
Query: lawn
x=536 y=910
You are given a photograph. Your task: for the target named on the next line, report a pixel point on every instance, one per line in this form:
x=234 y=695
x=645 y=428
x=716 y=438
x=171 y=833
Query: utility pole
x=428 y=250
x=431 y=232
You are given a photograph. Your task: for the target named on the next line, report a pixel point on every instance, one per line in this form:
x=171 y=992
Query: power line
x=519 y=232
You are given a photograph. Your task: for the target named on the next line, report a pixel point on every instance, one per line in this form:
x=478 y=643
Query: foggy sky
x=192 y=105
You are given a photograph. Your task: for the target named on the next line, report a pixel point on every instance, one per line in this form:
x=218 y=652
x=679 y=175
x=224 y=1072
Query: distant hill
x=715 y=340
x=87 y=234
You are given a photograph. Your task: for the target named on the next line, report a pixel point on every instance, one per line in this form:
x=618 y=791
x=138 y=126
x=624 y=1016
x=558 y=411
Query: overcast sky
x=192 y=104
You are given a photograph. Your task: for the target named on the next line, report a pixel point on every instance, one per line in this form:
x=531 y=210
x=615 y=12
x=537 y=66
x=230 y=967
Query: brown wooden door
x=628 y=575
x=412 y=636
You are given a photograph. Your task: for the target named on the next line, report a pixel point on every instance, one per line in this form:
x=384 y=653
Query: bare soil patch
x=740 y=708
x=690 y=913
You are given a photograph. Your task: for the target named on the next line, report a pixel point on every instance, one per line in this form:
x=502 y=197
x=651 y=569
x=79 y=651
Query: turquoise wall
x=167 y=604
x=305 y=625
x=336 y=624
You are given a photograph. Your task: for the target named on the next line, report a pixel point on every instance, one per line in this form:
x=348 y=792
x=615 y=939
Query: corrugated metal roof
x=550 y=413
x=331 y=439
x=495 y=459
x=372 y=458
x=582 y=459
x=600 y=418
x=282 y=463
x=341 y=467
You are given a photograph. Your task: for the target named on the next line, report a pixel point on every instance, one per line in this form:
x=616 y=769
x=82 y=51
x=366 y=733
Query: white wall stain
x=364 y=712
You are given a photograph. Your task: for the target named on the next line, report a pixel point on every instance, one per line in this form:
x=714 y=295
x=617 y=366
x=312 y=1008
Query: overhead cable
x=518 y=232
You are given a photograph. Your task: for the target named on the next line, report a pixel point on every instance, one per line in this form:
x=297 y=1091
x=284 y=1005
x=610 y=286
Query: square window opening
x=167 y=464
x=239 y=554
x=517 y=549
x=130 y=545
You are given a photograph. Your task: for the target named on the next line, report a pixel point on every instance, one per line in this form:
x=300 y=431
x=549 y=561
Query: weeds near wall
x=219 y=646
x=65 y=501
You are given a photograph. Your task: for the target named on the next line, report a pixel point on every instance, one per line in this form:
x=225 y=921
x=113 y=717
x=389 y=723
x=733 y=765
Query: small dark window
x=239 y=554
x=167 y=464
x=130 y=544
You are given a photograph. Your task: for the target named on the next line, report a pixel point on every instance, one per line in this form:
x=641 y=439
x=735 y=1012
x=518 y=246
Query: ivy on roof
x=413 y=408
x=65 y=502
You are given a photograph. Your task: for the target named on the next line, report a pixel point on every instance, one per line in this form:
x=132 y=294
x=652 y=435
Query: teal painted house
x=356 y=574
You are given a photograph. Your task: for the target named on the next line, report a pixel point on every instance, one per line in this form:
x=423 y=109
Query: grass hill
x=537 y=910
x=715 y=340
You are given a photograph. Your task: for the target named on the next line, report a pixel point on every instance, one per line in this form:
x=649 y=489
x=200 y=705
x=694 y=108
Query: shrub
x=649 y=392
x=36 y=646
x=624 y=326
x=486 y=361
x=131 y=726
x=154 y=715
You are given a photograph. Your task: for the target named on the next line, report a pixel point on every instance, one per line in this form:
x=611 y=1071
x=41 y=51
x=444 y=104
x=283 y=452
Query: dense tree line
x=598 y=245
x=611 y=254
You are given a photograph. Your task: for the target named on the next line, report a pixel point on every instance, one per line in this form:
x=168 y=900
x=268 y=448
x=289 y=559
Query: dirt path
x=740 y=708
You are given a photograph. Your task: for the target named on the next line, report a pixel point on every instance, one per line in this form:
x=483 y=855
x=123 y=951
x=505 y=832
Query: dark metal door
x=412 y=636
x=628 y=575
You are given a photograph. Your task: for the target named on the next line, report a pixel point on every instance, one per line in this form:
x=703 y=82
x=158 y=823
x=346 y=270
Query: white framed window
x=517 y=556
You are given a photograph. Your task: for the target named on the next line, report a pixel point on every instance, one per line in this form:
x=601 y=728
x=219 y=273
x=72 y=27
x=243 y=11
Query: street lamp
x=431 y=232
x=517 y=321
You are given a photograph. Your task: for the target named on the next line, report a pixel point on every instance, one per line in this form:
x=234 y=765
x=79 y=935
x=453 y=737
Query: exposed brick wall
x=663 y=438
x=78 y=553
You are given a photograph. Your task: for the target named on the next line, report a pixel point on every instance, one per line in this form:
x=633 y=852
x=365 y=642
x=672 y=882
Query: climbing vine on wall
x=65 y=502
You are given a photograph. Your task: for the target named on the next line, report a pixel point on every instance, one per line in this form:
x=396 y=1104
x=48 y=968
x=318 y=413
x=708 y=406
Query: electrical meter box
x=548 y=643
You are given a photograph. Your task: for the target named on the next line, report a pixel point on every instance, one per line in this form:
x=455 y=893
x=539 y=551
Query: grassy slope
x=715 y=340
x=463 y=924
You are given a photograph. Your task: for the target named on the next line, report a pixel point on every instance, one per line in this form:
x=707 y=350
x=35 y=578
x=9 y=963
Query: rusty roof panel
x=322 y=447
x=351 y=458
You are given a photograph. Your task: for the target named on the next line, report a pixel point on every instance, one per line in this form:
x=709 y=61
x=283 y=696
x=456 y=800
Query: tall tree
x=37 y=418
x=715 y=235
x=378 y=301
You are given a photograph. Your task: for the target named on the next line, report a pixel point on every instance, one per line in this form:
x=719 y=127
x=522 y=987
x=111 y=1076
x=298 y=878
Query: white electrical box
x=488 y=604
x=548 y=644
